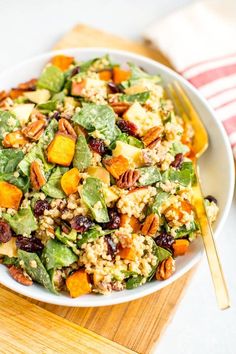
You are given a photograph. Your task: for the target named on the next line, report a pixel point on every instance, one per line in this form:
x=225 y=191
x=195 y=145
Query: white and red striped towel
x=200 y=41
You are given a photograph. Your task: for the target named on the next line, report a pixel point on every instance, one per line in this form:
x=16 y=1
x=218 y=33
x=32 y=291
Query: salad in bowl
x=96 y=179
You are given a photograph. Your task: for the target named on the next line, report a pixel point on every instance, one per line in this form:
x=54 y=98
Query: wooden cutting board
x=136 y=325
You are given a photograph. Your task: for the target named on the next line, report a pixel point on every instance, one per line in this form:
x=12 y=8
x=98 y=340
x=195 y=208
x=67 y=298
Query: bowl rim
x=57 y=300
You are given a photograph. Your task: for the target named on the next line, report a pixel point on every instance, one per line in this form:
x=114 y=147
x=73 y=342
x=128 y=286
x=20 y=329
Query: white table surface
x=30 y=27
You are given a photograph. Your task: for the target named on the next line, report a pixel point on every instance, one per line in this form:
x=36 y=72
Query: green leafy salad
x=96 y=176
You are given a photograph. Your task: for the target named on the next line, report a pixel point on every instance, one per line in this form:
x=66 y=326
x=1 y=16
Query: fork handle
x=221 y=291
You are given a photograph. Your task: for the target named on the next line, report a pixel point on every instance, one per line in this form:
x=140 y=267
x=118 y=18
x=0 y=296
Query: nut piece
x=3 y=95
x=128 y=179
x=34 y=130
x=165 y=269
x=151 y=225
x=65 y=127
x=37 y=178
x=28 y=85
x=152 y=137
x=18 y=275
x=119 y=107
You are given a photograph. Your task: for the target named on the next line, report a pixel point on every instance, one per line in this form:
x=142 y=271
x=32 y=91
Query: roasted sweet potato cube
x=62 y=61
x=15 y=139
x=61 y=150
x=105 y=75
x=120 y=75
x=180 y=247
x=70 y=181
x=10 y=195
x=78 y=284
x=116 y=165
x=127 y=253
x=130 y=220
x=77 y=87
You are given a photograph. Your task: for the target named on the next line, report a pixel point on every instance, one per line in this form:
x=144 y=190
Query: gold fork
x=184 y=107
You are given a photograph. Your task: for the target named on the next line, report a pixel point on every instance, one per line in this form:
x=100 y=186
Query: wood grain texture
x=26 y=328
x=136 y=325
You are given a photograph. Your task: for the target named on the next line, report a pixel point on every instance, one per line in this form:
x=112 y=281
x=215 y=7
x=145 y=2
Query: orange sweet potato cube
x=14 y=139
x=180 y=247
x=127 y=253
x=130 y=220
x=120 y=75
x=61 y=150
x=10 y=195
x=78 y=284
x=116 y=165
x=62 y=61
x=105 y=75
x=70 y=181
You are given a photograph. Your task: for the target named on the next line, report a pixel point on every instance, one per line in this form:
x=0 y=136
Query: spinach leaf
x=21 y=181
x=161 y=254
x=10 y=261
x=184 y=176
x=52 y=79
x=131 y=140
x=37 y=152
x=68 y=239
x=93 y=197
x=138 y=74
x=149 y=175
x=134 y=282
x=8 y=122
x=23 y=222
x=102 y=63
x=160 y=197
x=184 y=231
x=178 y=148
x=53 y=186
x=57 y=255
x=47 y=107
x=89 y=235
x=141 y=97
x=38 y=273
x=83 y=154
x=97 y=117
x=9 y=160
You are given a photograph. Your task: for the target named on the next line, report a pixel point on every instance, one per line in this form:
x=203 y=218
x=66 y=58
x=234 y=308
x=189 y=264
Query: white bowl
x=216 y=167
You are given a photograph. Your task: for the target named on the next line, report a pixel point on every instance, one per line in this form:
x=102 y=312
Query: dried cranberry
x=29 y=244
x=97 y=145
x=165 y=240
x=40 y=206
x=114 y=222
x=5 y=232
x=210 y=198
x=75 y=71
x=127 y=127
x=111 y=246
x=81 y=223
x=179 y=158
x=113 y=87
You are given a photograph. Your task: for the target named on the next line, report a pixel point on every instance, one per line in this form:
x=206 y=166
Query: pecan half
x=65 y=127
x=128 y=179
x=152 y=137
x=151 y=225
x=37 y=178
x=28 y=85
x=15 y=139
x=34 y=130
x=165 y=269
x=119 y=107
x=18 y=275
